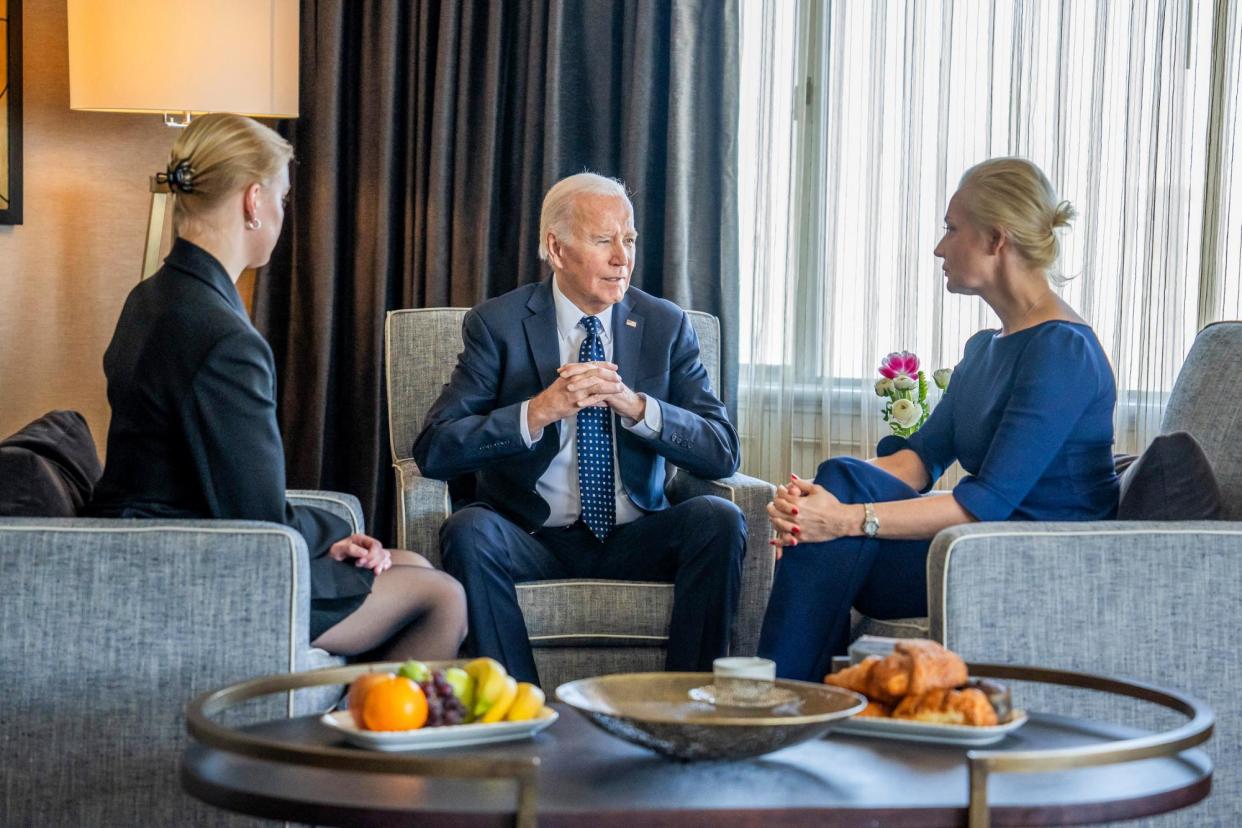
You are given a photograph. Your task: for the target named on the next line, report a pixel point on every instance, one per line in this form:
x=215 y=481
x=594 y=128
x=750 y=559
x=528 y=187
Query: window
x=858 y=118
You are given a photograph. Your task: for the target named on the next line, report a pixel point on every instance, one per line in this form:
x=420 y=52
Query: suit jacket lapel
x=541 y=334
x=627 y=340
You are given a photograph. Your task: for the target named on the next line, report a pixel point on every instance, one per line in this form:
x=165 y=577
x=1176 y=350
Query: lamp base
x=156 y=220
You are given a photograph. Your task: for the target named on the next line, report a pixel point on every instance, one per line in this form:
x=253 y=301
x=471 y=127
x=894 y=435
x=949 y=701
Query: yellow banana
x=489 y=683
x=527 y=704
x=501 y=706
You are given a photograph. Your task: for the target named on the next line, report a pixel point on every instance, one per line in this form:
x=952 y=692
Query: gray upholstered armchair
x=112 y=626
x=577 y=627
x=1157 y=601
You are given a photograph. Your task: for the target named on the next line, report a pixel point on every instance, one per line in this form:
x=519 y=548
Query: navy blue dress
x=1029 y=416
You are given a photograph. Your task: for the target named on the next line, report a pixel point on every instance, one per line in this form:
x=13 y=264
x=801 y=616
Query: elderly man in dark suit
x=567 y=401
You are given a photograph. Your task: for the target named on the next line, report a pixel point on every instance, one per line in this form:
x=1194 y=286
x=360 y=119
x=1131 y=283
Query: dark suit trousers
x=808 y=617
x=697 y=546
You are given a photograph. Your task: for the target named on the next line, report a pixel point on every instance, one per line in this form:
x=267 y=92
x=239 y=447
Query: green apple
x=462 y=684
x=415 y=671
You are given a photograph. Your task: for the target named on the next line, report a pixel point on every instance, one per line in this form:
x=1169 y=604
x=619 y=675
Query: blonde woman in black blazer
x=192 y=386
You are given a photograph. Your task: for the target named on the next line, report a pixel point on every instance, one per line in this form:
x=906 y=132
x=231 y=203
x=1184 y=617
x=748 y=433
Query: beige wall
x=64 y=274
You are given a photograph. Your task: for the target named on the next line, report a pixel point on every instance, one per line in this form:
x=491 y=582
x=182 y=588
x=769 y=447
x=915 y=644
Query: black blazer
x=192 y=386
x=511 y=354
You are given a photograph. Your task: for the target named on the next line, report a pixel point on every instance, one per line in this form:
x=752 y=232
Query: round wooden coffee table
x=575 y=774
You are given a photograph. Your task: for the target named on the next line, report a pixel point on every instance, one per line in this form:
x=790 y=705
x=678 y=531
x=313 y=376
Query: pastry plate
x=429 y=738
x=945 y=734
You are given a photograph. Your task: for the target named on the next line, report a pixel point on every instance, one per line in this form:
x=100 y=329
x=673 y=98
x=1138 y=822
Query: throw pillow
x=1171 y=480
x=49 y=468
x=30 y=486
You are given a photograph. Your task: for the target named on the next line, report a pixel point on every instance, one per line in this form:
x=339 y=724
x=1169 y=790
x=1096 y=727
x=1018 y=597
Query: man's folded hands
x=580 y=385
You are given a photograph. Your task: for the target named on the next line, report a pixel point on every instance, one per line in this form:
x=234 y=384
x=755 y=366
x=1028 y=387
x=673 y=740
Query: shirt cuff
x=651 y=423
x=934 y=471
x=981 y=500
x=527 y=438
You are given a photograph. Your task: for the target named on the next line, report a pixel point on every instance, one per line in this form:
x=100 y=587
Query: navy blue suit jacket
x=511 y=354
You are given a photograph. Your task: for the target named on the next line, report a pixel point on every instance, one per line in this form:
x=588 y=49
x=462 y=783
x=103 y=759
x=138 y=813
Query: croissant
x=943 y=706
x=915 y=667
x=856 y=678
x=875 y=710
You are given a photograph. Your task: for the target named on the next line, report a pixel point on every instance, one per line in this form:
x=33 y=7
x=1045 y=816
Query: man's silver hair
x=557 y=216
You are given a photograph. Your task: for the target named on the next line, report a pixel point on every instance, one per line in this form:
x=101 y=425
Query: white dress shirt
x=559 y=484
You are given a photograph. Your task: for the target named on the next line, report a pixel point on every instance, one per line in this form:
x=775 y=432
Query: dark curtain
x=428 y=134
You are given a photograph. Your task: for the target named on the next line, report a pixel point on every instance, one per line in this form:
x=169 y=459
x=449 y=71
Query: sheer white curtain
x=859 y=116
x=1221 y=287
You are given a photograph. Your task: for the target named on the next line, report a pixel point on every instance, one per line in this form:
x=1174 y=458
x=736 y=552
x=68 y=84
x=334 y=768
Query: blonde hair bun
x=1064 y=215
x=1015 y=194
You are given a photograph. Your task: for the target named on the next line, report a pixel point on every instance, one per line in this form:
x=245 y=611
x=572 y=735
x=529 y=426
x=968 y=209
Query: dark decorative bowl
x=655 y=710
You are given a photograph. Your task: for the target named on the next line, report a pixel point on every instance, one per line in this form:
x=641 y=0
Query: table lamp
x=182 y=58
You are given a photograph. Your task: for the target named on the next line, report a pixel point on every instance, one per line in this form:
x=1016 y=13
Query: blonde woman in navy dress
x=1028 y=414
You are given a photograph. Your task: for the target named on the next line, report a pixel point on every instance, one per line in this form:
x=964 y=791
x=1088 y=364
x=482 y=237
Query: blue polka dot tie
x=595 y=484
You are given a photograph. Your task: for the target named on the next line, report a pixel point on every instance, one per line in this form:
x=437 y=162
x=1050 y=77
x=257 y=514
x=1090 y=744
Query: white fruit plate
x=428 y=738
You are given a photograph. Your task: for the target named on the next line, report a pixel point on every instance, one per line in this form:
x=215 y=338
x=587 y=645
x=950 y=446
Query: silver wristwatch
x=871 y=524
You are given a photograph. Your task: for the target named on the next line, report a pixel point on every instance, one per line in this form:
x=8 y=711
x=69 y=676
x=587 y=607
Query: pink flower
x=900 y=364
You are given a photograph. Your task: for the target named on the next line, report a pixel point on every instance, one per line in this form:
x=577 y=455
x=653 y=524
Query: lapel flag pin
x=630 y=323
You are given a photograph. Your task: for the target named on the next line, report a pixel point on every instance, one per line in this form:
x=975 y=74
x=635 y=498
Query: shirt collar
x=568 y=315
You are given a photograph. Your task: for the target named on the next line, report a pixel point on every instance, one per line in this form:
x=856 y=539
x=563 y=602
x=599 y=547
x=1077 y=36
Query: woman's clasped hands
x=805 y=512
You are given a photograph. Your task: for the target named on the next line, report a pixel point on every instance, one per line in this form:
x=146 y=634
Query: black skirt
x=337 y=589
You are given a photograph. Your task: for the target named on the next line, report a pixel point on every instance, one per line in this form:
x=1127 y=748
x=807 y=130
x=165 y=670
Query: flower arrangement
x=905 y=388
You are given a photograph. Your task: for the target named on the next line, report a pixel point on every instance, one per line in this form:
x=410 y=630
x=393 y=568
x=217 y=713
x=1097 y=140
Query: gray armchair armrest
x=751 y=496
x=422 y=505
x=345 y=506
x=1114 y=580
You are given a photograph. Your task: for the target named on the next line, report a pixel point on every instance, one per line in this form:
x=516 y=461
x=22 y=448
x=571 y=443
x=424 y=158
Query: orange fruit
x=358 y=693
x=395 y=704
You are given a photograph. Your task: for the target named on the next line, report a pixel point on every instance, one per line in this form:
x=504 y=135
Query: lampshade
x=184 y=56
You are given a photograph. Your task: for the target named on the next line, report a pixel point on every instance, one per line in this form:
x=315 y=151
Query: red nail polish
x=795 y=510
x=796 y=530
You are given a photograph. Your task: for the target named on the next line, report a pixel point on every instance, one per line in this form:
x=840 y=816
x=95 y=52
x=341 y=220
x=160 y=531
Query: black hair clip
x=180 y=177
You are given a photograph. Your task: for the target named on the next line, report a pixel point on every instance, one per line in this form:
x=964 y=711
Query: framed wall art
x=10 y=111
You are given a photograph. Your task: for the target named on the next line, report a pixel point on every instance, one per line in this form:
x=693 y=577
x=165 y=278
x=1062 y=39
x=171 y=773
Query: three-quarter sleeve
x=933 y=443
x=1057 y=378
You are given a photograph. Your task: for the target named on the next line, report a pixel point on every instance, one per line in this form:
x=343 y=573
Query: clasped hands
x=579 y=385
x=366 y=550
x=807 y=512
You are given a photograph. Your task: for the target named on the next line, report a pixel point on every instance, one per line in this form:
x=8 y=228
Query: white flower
x=906 y=413
x=883 y=387
x=941 y=377
x=905 y=383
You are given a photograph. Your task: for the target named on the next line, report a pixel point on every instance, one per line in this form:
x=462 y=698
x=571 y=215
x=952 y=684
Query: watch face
x=871 y=526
